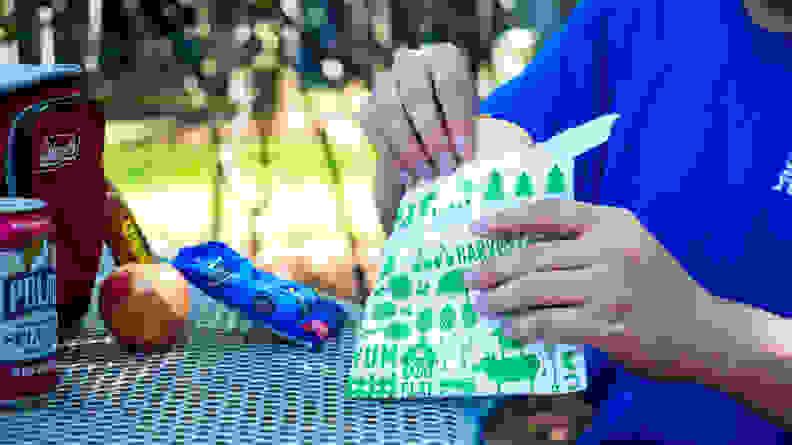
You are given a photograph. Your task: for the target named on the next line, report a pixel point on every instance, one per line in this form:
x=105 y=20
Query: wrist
x=743 y=351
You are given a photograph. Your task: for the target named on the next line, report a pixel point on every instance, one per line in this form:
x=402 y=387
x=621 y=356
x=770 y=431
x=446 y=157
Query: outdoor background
x=233 y=120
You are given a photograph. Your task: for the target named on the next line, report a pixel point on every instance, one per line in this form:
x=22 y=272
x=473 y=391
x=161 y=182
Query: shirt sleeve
x=566 y=84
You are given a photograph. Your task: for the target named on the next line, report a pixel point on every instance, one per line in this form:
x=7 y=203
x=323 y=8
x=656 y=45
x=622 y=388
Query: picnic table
x=222 y=386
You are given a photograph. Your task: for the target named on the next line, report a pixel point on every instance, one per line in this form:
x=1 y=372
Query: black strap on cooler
x=20 y=160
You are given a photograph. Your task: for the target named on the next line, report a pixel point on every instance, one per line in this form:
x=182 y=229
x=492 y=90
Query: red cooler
x=52 y=141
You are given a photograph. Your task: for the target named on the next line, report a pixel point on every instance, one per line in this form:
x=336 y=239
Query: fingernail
x=404 y=175
x=479 y=227
x=444 y=159
x=424 y=170
x=480 y=280
x=459 y=144
x=508 y=328
x=480 y=303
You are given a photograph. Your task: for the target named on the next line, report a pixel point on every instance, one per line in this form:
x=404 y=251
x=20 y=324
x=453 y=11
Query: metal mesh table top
x=223 y=390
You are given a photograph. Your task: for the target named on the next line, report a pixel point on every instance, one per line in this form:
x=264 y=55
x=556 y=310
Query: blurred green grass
x=143 y=166
x=157 y=178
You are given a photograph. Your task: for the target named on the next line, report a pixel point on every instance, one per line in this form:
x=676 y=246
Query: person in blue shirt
x=676 y=279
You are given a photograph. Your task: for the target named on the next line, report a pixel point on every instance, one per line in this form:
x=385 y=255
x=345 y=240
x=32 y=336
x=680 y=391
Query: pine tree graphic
x=524 y=187
x=495 y=187
x=555 y=181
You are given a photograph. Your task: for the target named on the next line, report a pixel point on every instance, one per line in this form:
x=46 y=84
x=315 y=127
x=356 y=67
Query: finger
x=498 y=270
x=416 y=90
x=559 y=287
x=389 y=188
x=539 y=257
x=390 y=183
x=391 y=120
x=559 y=326
x=386 y=160
x=543 y=216
x=456 y=93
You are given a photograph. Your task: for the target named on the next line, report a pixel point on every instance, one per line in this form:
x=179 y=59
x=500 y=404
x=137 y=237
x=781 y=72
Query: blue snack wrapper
x=291 y=309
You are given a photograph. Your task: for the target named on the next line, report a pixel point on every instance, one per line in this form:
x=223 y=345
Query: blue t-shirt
x=699 y=155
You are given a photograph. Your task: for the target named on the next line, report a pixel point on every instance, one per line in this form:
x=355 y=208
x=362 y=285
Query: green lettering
x=500 y=247
x=449 y=258
x=491 y=246
x=370 y=357
x=443 y=257
x=388 y=267
x=426 y=202
x=481 y=250
x=422 y=288
x=390 y=355
x=461 y=258
x=434 y=263
x=408 y=218
x=419 y=261
x=471 y=251
x=356 y=359
x=428 y=263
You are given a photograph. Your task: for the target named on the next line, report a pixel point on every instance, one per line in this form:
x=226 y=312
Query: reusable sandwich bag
x=420 y=336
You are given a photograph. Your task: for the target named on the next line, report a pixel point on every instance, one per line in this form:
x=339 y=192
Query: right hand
x=420 y=118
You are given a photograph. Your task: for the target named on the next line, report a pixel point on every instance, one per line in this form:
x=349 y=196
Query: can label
x=28 y=312
x=28 y=301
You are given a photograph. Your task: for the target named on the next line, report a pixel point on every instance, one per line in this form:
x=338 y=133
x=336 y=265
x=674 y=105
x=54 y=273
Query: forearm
x=745 y=352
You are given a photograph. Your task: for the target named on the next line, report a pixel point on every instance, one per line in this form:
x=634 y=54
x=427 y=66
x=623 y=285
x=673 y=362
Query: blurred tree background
x=232 y=120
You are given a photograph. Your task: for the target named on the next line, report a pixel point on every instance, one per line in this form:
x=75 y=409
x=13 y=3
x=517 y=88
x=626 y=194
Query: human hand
x=420 y=118
x=608 y=283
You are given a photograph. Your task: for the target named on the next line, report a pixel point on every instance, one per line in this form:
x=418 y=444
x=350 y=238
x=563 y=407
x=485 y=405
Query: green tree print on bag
x=495 y=187
x=384 y=311
x=400 y=287
x=452 y=283
x=556 y=184
x=447 y=318
x=397 y=331
x=524 y=187
x=424 y=322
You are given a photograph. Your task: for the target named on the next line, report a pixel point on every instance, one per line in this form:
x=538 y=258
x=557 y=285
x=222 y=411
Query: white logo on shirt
x=785 y=177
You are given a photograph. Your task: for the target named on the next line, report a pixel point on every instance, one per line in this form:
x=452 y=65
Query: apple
x=146 y=306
